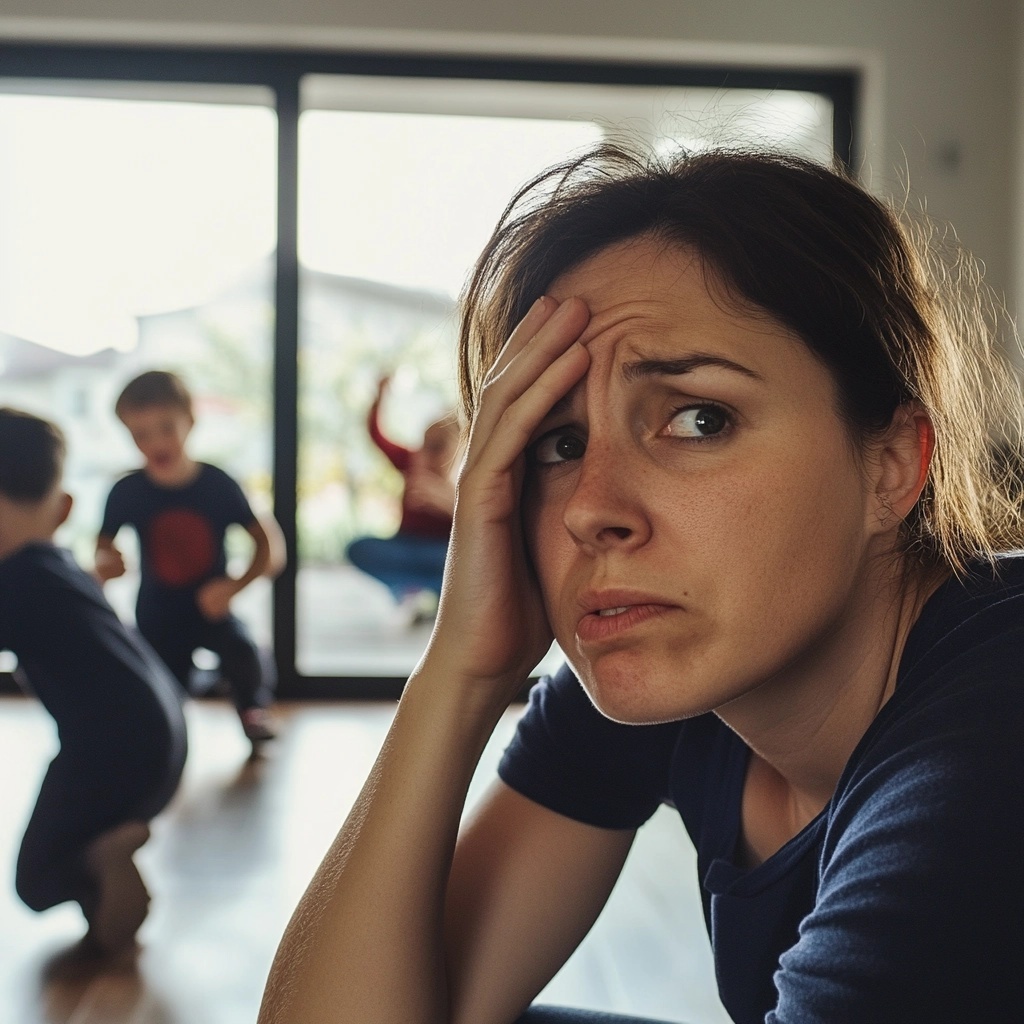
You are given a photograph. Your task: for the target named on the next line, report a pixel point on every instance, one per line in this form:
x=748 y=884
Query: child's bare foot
x=122 y=900
x=258 y=727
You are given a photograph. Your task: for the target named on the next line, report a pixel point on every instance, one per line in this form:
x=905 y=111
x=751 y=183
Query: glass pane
x=401 y=183
x=393 y=210
x=138 y=235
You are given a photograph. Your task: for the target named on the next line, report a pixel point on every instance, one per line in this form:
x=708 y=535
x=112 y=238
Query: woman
x=736 y=460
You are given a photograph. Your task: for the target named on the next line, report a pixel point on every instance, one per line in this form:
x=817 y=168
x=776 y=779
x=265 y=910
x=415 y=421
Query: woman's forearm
x=365 y=943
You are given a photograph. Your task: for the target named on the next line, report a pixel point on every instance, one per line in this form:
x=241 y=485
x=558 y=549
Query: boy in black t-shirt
x=117 y=710
x=181 y=510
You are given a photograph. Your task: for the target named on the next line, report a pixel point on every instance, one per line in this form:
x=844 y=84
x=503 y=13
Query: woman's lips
x=606 y=623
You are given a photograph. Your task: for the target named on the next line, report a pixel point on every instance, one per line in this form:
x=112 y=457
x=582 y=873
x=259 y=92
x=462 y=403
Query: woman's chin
x=624 y=689
x=648 y=687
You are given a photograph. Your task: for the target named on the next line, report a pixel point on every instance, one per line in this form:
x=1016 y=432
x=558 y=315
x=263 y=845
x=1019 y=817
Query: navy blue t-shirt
x=111 y=697
x=181 y=530
x=903 y=901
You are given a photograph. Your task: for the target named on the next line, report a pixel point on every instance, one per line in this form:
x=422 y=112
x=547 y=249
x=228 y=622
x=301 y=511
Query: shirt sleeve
x=921 y=897
x=115 y=513
x=396 y=454
x=233 y=502
x=568 y=757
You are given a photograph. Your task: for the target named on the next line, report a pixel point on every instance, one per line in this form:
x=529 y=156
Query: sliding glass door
x=400 y=184
x=287 y=230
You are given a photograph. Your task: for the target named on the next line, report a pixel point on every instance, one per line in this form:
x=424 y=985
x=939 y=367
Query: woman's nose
x=606 y=507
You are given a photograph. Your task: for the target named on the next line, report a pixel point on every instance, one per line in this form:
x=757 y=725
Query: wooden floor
x=231 y=856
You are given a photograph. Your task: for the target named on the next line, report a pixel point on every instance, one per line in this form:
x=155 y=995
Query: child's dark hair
x=154 y=387
x=31 y=455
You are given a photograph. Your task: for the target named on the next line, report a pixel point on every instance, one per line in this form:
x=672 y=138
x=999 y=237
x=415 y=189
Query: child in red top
x=411 y=563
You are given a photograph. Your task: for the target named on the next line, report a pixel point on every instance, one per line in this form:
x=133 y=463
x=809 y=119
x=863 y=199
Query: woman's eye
x=558 y=447
x=698 y=421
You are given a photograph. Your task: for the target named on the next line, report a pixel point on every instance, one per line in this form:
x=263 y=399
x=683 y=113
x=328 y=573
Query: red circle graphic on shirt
x=181 y=545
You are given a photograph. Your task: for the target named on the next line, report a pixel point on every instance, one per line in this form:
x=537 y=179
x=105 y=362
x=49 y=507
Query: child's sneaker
x=257 y=726
x=122 y=900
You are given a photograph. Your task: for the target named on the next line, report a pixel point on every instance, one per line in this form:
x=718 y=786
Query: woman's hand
x=491 y=622
x=368 y=940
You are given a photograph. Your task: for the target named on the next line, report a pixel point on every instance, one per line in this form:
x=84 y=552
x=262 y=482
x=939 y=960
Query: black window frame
x=282 y=71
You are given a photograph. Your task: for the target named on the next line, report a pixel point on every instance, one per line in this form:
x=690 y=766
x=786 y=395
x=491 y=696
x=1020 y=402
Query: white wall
x=943 y=78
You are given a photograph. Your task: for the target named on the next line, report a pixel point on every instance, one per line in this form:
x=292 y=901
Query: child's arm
x=109 y=560
x=268 y=559
x=398 y=456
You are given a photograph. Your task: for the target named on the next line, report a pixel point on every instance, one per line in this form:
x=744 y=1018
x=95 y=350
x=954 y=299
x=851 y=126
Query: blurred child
x=411 y=563
x=181 y=510
x=117 y=710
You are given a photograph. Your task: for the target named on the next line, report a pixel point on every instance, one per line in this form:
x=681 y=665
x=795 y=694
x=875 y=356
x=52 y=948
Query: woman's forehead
x=653 y=301
x=646 y=263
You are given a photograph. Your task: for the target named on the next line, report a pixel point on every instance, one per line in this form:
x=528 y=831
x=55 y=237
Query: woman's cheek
x=544 y=535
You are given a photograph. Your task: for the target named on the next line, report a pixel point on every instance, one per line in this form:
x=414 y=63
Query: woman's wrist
x=452 y=689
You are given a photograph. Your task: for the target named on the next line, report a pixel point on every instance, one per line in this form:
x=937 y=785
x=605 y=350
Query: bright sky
x=114 y=208
x=412 y=198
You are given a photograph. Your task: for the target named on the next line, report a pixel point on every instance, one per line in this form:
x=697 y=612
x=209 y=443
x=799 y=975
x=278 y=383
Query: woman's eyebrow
x=675 y=367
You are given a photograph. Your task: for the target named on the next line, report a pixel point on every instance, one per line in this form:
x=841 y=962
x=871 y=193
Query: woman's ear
x=900 y=459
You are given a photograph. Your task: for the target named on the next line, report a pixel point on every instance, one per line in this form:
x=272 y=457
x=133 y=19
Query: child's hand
x=214 y=598
x=109 y=564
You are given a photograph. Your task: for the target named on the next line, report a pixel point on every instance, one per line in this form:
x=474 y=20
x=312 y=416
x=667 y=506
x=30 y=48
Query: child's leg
x=250 y=684
x=250 y=679
x=78 y=846
x=173 y=640
x=402 y=563
x=50 y=869
x=425 y=558
x=119 y=901
x=378 y=557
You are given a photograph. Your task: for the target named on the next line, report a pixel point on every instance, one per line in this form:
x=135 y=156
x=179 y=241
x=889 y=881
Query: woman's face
x=698 y=517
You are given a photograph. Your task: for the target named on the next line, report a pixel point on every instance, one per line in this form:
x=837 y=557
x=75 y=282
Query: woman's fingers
x=490 y=601
x=535 y=317
x=519 y=419
x=547 y=329
x=546 y=332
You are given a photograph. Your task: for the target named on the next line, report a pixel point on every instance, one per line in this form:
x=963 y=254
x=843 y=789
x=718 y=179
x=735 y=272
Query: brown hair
x=154 y=387
x=31 y=455
x=809 y=246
